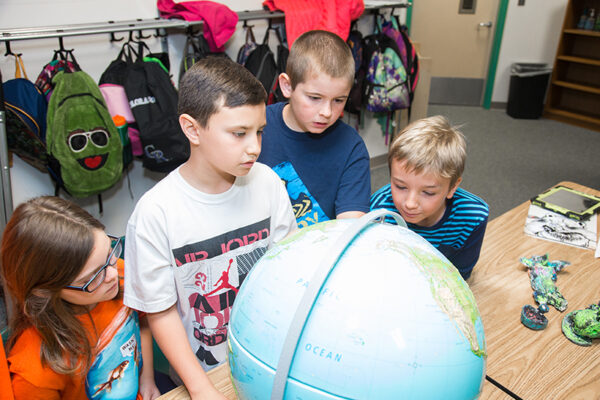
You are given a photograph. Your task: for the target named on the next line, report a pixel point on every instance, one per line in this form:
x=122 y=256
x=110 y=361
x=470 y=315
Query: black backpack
x=355 y=101
x=196 y=47
x=275 y=95
x=261 y=63
x=153 y=101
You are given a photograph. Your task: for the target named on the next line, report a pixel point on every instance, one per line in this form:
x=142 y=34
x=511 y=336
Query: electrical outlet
x=521 y=3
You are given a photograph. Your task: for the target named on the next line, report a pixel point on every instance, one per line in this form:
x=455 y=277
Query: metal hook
x=9 y=51
x=161 y=35
x=140 y=36
x=113 y=38
x=61 y=50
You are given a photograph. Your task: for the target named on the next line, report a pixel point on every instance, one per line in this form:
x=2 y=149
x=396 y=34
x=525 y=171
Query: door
x=458 y=36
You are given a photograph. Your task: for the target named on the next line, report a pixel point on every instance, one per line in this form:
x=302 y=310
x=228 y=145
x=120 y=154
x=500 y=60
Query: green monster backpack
x=82 y=140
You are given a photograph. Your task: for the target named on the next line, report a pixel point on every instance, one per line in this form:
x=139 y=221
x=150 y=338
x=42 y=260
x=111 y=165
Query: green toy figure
x=542 y=276
x=581 y=326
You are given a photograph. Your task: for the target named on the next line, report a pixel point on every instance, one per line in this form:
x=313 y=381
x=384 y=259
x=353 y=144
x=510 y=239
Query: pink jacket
x=219 y=20
x=305 y=15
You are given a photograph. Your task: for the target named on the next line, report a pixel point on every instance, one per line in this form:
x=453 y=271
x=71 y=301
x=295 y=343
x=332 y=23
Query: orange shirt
x=115 y=368
x=6 y=393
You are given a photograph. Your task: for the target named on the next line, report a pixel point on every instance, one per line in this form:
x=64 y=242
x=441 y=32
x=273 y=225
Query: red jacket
x=306 y=15
x=219 y=20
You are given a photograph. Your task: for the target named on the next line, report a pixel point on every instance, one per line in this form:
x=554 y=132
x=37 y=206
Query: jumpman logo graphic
x=224 y=282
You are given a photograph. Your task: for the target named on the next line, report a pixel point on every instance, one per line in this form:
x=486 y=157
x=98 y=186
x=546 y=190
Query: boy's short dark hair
x=215 y=82
x=319 y=52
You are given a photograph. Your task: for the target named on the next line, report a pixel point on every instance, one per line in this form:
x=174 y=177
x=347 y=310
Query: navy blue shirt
x=325 y=174
x=458 y=235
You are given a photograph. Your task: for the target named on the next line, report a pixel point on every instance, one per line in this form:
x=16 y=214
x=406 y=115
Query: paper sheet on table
x=547 y=225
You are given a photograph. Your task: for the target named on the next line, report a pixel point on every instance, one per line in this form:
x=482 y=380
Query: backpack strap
x=19 y=67
x=269 y=29
x=249 y=35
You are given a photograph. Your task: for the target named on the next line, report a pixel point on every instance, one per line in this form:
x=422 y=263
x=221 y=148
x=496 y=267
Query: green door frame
x=494 y=54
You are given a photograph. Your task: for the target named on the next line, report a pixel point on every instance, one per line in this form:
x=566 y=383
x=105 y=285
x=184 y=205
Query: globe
x=356 y=309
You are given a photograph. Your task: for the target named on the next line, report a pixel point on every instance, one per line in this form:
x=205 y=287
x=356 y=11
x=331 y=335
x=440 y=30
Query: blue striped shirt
x=459 y=233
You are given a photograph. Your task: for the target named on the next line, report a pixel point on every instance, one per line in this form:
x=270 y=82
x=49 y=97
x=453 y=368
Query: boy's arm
x=170 y=335
x=350 y=214
x=148 y=388
x=466 y=258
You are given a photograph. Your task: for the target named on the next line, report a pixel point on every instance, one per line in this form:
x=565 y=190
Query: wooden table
x=531 y=364
x=220 y=377
x=534 y=364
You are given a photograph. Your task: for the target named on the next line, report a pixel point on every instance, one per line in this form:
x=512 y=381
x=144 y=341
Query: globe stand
x=312 y=291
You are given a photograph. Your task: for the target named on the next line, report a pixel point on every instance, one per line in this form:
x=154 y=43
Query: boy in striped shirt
x=426 y=163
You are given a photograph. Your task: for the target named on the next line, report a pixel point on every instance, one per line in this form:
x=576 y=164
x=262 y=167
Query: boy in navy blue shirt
x=426 y=163
x=323 y=162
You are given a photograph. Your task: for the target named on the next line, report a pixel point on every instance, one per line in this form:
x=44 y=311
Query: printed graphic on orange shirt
x=115 y=372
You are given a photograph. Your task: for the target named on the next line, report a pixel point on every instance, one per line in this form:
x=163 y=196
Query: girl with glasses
x=71 y=337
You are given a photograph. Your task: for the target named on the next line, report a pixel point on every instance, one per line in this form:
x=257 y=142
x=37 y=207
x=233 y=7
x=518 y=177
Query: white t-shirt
x=195 y=249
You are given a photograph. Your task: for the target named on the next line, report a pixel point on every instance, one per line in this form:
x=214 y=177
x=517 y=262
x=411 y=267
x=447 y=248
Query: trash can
x=528 y=83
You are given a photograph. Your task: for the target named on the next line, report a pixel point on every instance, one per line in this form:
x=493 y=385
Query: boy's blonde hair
x=431 y=145
x=319 y=52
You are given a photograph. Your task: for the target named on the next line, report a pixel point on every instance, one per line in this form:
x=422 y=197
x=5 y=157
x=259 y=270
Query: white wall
x=531 y=34
x=94 y=53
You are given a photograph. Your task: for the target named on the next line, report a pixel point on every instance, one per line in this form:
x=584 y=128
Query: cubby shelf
x=581 y=60
x=574 y=93
x=575 y=86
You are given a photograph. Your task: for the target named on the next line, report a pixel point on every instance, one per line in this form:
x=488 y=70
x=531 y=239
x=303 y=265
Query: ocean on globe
x=392 y=320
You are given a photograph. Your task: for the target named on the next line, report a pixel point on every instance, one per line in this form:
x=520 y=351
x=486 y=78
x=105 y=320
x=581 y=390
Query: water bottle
x=589 y=24
x=582 y=19
x=123 y=130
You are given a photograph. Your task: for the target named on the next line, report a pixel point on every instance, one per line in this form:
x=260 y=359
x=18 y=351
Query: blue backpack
x=25 y=118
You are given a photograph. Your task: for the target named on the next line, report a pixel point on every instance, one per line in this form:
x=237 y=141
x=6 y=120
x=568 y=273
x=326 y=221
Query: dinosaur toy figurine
x=581 y=326
x=542 y=276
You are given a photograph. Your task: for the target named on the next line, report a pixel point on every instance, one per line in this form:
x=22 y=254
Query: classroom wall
x=531 y=34
x=94 y=53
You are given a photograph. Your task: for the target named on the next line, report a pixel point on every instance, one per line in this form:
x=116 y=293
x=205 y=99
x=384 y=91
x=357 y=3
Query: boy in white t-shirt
x=193 y=237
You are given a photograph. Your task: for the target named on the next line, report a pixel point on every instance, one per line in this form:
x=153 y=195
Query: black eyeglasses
x=96 y=280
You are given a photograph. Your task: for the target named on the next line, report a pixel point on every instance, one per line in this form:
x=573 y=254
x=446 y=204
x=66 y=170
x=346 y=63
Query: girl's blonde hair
x=45 y=245
x=431 y=145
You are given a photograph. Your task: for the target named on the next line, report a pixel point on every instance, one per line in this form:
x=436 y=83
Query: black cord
x=505 y=390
